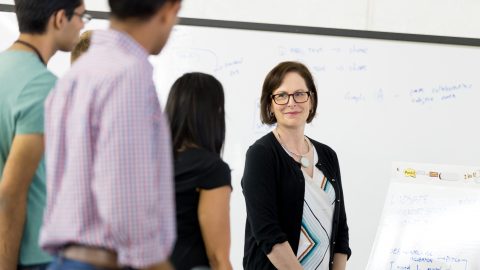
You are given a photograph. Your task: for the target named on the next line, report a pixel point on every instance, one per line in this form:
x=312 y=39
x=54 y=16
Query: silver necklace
x=304 y=161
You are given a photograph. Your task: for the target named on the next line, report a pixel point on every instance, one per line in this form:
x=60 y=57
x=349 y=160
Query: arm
x=339 y=261
x=214 y=218
x=283 y=257
x=259 y=189
x=23 y=159
x=342 y=240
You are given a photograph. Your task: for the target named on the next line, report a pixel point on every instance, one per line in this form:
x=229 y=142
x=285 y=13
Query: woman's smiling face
x=294 y=113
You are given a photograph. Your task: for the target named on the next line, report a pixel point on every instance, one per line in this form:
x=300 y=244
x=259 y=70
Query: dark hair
x=275 y=78
x=33 y=15
x=139 y=9
x=195 y=109
x=82 y=46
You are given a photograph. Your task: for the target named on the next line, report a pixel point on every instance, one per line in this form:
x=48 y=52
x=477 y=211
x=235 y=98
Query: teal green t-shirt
x=24 y=84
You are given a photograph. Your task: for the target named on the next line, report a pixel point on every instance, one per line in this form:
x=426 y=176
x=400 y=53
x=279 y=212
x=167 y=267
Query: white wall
x=448 y=18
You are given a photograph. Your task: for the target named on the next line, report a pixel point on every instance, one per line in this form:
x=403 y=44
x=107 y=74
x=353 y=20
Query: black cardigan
x=274 y=190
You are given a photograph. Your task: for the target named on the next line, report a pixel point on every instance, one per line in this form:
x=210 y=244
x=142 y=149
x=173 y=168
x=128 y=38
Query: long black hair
x=195 y=109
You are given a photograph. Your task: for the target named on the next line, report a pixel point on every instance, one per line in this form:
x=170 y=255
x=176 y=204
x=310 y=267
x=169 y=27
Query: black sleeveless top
x=195 y=169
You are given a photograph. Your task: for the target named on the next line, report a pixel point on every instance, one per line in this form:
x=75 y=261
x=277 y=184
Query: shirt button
x=333 y=180
x=338 y=200
x=334 y=242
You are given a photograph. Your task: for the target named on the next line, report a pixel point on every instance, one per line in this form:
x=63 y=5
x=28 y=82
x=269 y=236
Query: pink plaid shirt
x=108 y=156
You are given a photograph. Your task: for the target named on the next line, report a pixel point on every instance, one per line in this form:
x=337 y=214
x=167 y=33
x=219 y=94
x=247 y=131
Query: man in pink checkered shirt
x=110 y=198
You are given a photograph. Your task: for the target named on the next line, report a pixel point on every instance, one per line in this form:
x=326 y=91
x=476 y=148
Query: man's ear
x=59 y=19
x=176 y=7
x=169 y=11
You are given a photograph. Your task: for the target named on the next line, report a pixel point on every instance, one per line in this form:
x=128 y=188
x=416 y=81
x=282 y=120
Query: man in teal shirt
x=45 y=27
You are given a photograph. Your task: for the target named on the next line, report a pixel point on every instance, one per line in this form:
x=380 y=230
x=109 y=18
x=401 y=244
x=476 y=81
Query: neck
x=43 y=43
x=136 y=29
x=293 y=139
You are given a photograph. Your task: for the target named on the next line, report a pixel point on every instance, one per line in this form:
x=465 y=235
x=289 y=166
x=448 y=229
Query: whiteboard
x=379 y=101
x=430 y=222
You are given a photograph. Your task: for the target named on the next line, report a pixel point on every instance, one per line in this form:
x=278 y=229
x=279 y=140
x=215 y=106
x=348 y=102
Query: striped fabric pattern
x=329 y=190
x=108 y=156
x=314 y=245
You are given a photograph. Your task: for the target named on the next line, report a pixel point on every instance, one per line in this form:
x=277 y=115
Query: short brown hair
x=275 y=78
x=82 y=46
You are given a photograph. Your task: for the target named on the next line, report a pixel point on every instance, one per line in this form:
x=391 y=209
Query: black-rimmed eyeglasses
x=284 y=98
x=84 y=16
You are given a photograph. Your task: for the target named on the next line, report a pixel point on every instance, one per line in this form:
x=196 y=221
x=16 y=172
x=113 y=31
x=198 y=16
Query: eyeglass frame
x=85 y=17
x=309 y=93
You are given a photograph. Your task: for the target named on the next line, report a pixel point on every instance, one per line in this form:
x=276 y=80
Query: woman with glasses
x=295 y=210
x=195 y=108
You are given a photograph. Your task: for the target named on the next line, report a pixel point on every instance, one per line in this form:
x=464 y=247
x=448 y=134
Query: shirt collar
x=119 y=39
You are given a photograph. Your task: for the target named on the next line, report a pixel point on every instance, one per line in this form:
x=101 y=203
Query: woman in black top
x=195 y=108
x=292 y=186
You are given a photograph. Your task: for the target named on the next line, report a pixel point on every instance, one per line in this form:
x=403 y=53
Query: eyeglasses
x=84 y=16
x=284 y=98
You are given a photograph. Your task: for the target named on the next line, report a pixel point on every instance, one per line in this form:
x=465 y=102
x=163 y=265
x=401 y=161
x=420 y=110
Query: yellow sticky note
x=410 y=173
